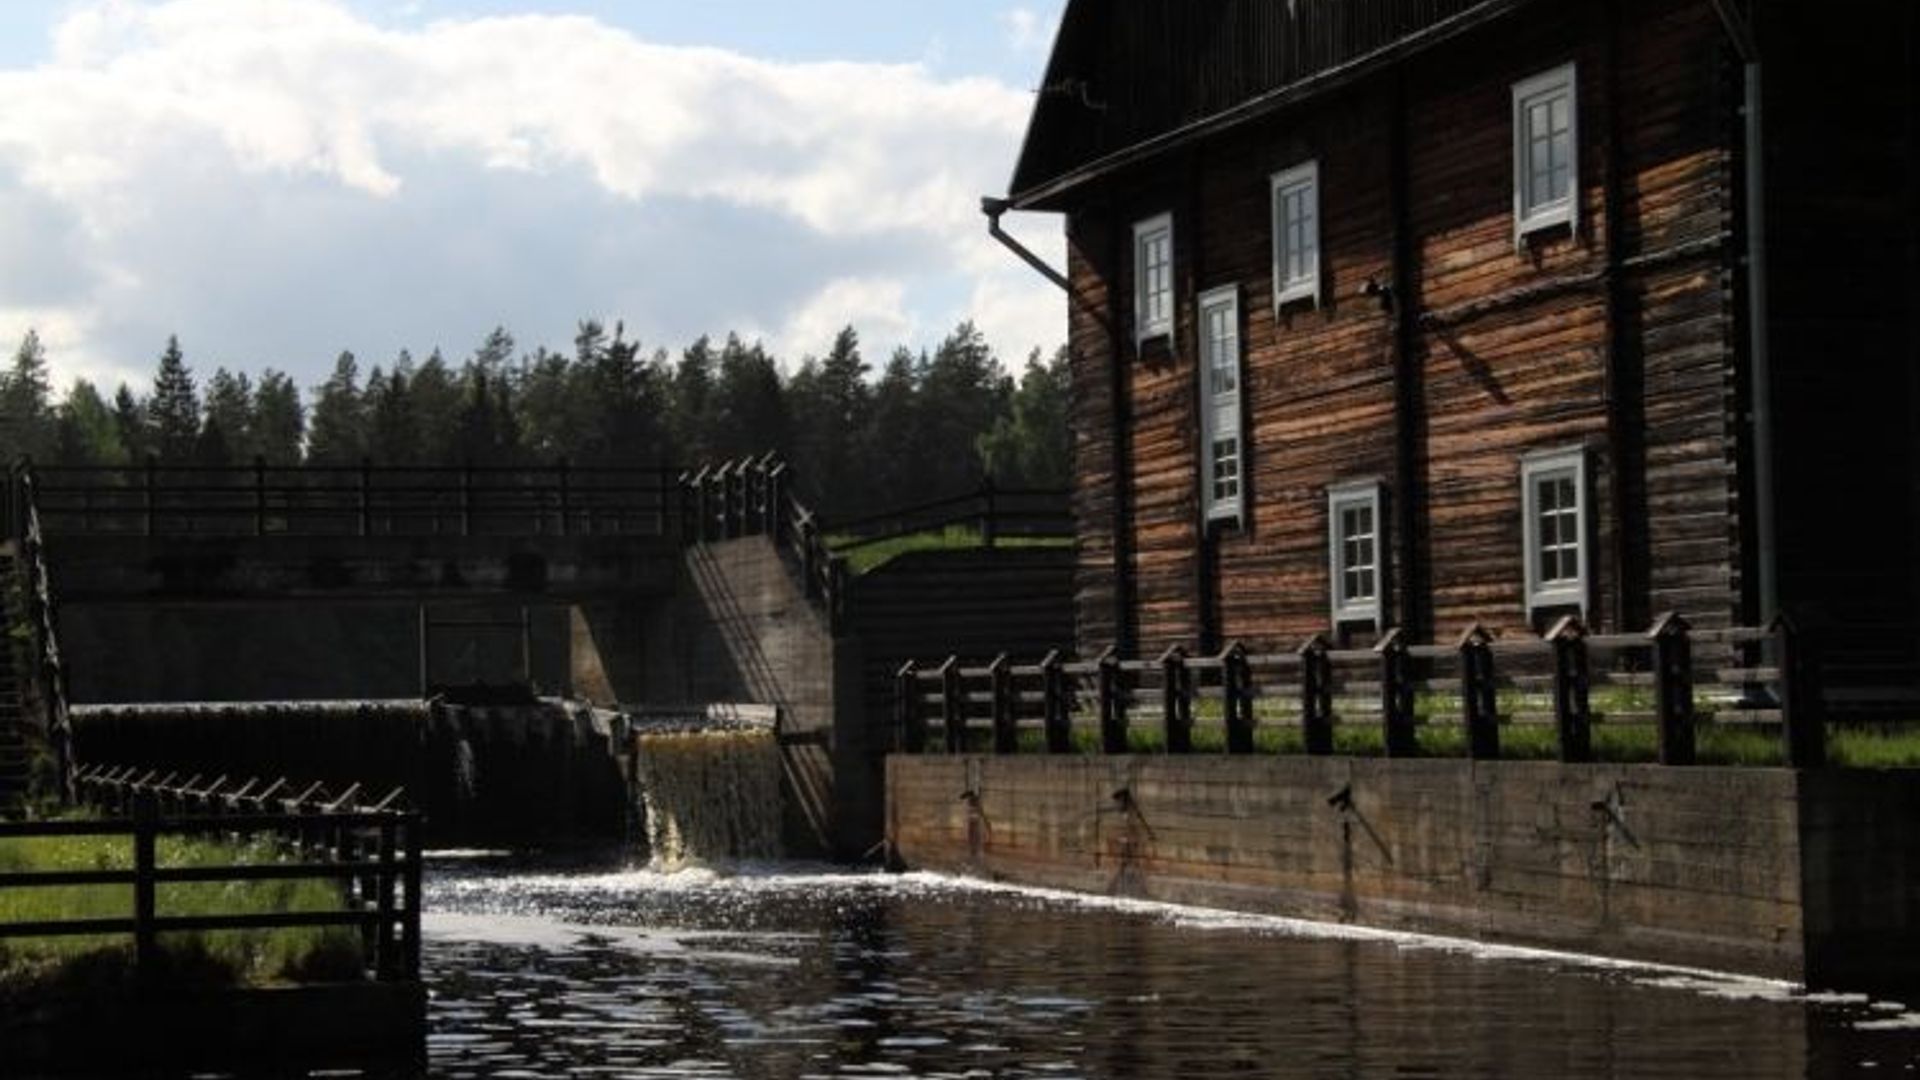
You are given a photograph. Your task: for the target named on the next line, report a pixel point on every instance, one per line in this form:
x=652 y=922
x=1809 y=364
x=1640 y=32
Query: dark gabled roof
x=1129 y=77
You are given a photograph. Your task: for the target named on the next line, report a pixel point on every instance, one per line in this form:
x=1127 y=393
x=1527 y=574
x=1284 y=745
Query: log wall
x=1618 y=336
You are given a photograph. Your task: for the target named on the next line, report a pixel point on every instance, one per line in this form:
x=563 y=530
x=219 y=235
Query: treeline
x=926 y=424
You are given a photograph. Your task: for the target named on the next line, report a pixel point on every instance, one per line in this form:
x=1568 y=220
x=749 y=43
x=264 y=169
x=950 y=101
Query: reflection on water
x=817 y=975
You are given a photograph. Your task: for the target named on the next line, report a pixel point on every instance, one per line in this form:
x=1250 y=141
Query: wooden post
x=422 y=639
x=563 y=471
x=1802 y=725
x=366 y=497
x=1673 y=688
x=1479 y=709
x=810 y=558
x=526 y=643
x=1572 y=712
x=1316 y=696
x=153 y=467
x=910 y=720
x=1236 y=695
x=146 y=945
x=410 y=899
x=1113 y=711
x=989 y=522
x=953 y=706
x=1396 y=695
x=1006 y=732
x=466 y=499
x=259 y=495
x=1176 y=701
x=836 y=594
x=386 y=959
x=776 y=502
x=1055 y=709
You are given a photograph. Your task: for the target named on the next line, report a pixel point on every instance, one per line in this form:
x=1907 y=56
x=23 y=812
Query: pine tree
x=392 y=438
x=130 y=421
x=1030 y=446
x=279 y=421
x=173 y=413
x=337 y=436
x=749 y=404
x=437 y=401
x=230 y=411
x=87 y=431
x=690 y=413
x=26 y=405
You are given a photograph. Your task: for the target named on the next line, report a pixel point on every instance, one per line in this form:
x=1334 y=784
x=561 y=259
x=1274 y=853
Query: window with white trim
x=1554 y=490
x=1223 y=475
x=1296 y=234
x=1153 y=277
x=1546 y=141
x=1355 y=552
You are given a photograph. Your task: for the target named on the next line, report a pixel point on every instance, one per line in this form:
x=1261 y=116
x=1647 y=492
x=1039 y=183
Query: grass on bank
x=867 y=557
x=1871 y=747
x=212 y=958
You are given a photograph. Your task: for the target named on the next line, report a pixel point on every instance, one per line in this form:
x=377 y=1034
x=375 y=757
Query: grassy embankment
x=952 y=538
x=217 y=958
x=1440 y=735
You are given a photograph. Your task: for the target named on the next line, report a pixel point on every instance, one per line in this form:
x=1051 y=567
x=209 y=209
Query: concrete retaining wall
x=1812 y=877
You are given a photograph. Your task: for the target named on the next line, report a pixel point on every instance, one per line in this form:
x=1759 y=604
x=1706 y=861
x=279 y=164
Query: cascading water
x=711 y=795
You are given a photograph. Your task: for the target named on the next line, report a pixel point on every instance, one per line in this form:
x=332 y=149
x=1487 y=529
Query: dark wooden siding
x=1620 y=338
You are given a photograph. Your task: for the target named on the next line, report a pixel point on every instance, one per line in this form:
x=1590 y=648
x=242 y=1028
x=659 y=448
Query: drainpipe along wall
x=1740 y=33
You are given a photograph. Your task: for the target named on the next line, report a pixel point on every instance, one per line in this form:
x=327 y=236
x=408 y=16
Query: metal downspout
x=1740 y=33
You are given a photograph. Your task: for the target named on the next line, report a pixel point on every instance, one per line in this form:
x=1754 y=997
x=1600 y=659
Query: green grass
x=952 y=538
x=1891 y=747
x=227 y=957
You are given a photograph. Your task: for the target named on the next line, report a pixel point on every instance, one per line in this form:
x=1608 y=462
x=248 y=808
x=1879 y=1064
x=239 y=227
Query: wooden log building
x=1425 y=312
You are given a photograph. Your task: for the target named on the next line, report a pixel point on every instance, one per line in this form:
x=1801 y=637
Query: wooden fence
x=375 y=854
x=358 y=500
x=1321 y=686
x=754 y=497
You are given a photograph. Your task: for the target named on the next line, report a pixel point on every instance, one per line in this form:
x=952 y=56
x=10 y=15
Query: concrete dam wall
x=1807 y=876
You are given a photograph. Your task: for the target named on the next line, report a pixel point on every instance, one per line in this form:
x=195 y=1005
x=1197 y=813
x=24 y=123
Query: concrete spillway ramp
x=708 y=785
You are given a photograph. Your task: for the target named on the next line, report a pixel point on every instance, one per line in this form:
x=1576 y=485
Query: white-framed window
x=1356 y=551
x=1546 y=152
x=1153 y=277
x=1222 y=450
x=1296 y=234
x=1554 y=502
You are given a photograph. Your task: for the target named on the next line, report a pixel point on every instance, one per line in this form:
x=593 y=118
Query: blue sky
x=277 y=180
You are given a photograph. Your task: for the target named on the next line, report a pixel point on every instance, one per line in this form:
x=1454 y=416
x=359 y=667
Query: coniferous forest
x=861 y=437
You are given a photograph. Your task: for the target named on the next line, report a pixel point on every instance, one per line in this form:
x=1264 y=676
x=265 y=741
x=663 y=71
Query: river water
x=791 y=972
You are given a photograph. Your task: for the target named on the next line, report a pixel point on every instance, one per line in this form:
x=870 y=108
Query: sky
x=278 y=180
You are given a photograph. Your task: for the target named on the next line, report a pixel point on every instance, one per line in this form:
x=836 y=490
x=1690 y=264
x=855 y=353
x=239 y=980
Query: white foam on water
x=550 y=935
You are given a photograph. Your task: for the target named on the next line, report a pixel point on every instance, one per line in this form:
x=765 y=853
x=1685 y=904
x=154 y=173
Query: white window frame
x=1534 y=469
x=1340 y=499
x=1221 y=412
x=1287 y=290
x=1529 y=218
x=1143 y=231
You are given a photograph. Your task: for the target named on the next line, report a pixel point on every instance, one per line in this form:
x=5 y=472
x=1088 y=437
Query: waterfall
x=710 y=796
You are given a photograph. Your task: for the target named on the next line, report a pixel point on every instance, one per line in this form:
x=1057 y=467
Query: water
x=709 y=793
x=787 y=972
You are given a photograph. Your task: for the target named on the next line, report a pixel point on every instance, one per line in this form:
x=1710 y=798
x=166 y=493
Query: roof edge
x=1043 y=196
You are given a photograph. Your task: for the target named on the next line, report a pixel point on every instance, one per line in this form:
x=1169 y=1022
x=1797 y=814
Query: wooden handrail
x=391 y=915
x=1323 y=686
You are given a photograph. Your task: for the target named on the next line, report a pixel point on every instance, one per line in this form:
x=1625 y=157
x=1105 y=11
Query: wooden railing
x=375 y=855
x=1317 y=686
x=358 y=500
x=995 y=512
x=754 y=497
x=48 y=673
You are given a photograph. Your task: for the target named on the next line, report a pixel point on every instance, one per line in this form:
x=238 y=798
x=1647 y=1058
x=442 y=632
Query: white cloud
x=1027 y=30
x=277 y=179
